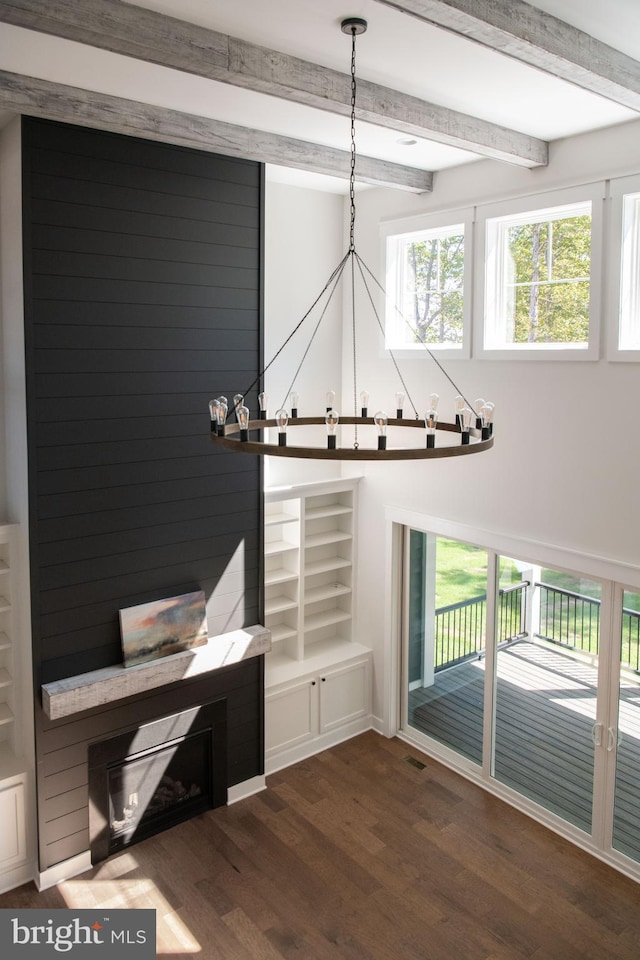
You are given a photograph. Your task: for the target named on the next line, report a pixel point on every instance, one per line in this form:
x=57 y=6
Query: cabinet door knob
x=313 y=683
x=324 y=679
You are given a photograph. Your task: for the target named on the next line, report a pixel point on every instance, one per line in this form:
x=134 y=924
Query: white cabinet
x=317 y=678
x=16 y=805
x=317 y=710
x=13 y=848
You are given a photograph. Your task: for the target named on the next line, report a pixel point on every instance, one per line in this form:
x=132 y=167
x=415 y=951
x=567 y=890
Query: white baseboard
x=10 y=879
x=64 y=870
x=245 y=789
x=278 y=761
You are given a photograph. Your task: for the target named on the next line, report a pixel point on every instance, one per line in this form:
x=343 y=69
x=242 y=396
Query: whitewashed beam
x=56 y=101
x=134 y=31
x=533 y=36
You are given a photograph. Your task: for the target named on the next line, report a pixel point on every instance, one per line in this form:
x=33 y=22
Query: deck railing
x=460 y=628
x=573 y=620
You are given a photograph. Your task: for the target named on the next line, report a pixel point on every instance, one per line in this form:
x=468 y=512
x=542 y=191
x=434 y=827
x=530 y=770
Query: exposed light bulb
x=243 y=415
x=364 y=404
x=293 y=399
x=477 y=406
x=331 y=399
x=381 y=420
x=399 y=404
x=282 y=419
x=434 y=400
x=459 y=404
x=238 y=401
x=331 y=421
x=263 y=403
x=486 y=419
x=213 y=413
x=221 y=415
x=431 y=424
x=466 y=418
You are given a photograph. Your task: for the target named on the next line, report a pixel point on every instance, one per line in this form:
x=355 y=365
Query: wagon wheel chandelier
x=470 y=432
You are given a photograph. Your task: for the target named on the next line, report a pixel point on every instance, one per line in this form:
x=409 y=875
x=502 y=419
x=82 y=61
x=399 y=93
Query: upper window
x=539 y=287
x=629 y=329
x=427 y=302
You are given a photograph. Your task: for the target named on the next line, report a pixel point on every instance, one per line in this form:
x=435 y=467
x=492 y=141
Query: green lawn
x=461 y=575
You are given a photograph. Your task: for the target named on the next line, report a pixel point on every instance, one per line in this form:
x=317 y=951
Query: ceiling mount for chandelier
x=232 y=426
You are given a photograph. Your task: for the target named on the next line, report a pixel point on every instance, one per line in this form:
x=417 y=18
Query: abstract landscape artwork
x=163 y=627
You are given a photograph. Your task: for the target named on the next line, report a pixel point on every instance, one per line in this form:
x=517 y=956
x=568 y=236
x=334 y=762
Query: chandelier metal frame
x=236 y=436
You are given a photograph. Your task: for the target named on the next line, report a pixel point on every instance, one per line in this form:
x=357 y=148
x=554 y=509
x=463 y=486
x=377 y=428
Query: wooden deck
x=545 y=710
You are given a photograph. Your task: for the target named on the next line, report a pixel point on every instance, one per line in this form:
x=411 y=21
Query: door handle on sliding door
x=596 y=733
x=614 y=738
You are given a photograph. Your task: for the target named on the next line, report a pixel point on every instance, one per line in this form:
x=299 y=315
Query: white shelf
x=4 y=604
x=4 y=567
x=271 y=519
x=282 y=632
x=6 y=716
x=325 y=619
x=334 y=510
x=322 y=539
x=326 y=592
x=325 y=566
x=280 y=575
x=278 y=604
x=278 y=546
x=5 y=678
x=5 y=642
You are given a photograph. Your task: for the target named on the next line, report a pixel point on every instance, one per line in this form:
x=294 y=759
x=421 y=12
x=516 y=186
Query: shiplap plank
x=68 y=289
x=134 y=223
x=95 y=241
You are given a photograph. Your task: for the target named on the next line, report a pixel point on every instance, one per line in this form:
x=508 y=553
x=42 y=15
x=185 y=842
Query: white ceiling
x=397 y=51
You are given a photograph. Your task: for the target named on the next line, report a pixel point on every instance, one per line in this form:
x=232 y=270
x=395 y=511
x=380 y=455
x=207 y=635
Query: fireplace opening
x=164 y=772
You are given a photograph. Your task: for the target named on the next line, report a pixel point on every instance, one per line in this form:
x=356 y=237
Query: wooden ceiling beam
x=537 y=38
x=149 y=36
x=56 y=101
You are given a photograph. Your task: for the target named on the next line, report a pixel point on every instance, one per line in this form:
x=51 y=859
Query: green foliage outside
x=433 y=302
x=461 y=574
x=548 y=290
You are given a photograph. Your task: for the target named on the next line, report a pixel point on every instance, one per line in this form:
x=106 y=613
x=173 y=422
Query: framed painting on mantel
x=162 y=627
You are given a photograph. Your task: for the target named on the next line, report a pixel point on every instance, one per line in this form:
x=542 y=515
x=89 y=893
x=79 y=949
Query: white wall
x=565 y=467
x=304 y=242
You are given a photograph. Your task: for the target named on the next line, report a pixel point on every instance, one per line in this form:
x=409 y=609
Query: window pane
x=447 y=583
x=427 y=277
x=626 y=824
x=538 y=278
x=629 y=336
x=546 y=688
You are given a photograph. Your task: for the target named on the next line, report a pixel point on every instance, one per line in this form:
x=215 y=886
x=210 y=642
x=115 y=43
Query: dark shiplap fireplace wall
x=142 y=300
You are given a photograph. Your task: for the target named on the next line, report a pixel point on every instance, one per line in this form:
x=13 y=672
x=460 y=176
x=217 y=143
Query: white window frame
x=488 y=274
x=415 y=228
x=624 y=265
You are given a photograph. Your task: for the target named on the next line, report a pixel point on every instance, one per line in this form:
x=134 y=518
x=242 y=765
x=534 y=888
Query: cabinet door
x=291 y=716
x=12 y=834
x=344 y=695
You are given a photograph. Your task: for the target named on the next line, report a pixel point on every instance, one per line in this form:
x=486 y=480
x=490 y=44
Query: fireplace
x=149 y=779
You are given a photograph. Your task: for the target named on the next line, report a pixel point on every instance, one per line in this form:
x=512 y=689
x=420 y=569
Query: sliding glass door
x=445 y=641
x=623 y=739
x=546 y=684
x=514 y=672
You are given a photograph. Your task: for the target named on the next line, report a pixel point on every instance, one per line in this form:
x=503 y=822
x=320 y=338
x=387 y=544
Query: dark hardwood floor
x=361 y=854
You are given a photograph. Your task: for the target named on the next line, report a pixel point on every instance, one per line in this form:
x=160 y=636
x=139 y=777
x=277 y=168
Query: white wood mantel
x=62 y=698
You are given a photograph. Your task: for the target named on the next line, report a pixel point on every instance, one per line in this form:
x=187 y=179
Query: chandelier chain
x=352 y=171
